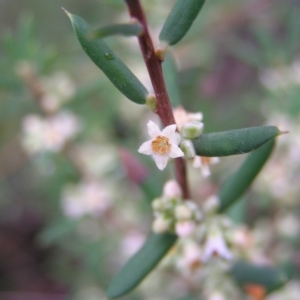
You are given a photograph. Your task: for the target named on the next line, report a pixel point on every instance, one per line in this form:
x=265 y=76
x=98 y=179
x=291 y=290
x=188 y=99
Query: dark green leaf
x=141 y=264
x=180 y=20
x=237 y=184
x=117 y=29
x=111 y=65
x=234 y=141
x=268 y=277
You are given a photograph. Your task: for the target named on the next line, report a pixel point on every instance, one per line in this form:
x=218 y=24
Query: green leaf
x=233 y=142
x=237 y=183
x=269 y=277
x=57 y=230
x=180 y=20
x=111 y=65
x=116 y=29
x=141 y=264
x=170 y=76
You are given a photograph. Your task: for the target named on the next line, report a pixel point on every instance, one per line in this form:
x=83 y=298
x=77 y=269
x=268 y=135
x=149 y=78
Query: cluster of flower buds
x=173 y=214
x=190 y=126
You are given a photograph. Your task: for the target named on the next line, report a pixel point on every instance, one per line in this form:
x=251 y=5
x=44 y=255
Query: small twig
x=153 y=64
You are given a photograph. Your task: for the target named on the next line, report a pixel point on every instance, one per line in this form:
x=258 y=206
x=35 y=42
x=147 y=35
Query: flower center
x=161 y=145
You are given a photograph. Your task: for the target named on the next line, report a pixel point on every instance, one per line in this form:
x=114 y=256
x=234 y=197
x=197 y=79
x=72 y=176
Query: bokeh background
x=72 y=206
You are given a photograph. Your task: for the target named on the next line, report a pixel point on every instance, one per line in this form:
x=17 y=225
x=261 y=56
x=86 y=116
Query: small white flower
x=162 y=145
x=185 y=228
x=203 y=163
x=182 y=116
x=215 y=245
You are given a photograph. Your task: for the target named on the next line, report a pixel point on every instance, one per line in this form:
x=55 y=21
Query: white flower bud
x=183 y=212
x=185 y=228
x=192 y=130
x=160 y=224
x=158 y=205
x=197 y=213
x=172 y=190
x=188 y=149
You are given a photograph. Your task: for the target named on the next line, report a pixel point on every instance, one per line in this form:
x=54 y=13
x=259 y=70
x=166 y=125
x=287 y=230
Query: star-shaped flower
x=162 y=145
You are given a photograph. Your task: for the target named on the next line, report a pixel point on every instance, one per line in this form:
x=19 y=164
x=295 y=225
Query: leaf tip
x=283 y=132
x=66 y=12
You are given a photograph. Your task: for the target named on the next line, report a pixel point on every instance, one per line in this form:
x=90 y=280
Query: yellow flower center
x=161 y=145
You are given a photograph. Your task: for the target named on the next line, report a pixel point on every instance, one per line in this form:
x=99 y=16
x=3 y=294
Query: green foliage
x=111 y=65
x=171 y=79
x=268 y=277
x=180 y=20
x=141 y=264
x=117 y=29
x=234 y=142
x=237 y=184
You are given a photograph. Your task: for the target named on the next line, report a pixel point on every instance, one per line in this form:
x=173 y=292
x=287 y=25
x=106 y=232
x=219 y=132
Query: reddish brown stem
x=153 y=64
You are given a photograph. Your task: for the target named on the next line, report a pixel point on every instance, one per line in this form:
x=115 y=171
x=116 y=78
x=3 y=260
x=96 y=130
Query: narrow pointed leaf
x=233 y=142
x=180 y=20
x=116 y=29
x=268 y=277
x=170 y=76
x=238 y=183
x=111 y=65
x=141 y=264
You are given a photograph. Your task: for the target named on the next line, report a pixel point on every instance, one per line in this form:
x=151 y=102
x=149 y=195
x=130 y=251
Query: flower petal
x=161 y=160
x=169 y=132
x=153 y=130
x=175 y=151
x=146 y=148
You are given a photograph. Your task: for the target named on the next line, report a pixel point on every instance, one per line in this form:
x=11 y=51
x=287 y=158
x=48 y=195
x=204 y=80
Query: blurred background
x=74 y=205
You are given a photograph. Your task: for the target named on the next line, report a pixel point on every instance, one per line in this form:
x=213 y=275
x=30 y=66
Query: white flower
x=203 y=163
x=162 y=145
x=215 y=245
x=85 y=198
x=191 y=258
x=182 y=117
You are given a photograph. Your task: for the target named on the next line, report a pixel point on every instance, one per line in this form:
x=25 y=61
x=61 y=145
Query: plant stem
x=153 y=64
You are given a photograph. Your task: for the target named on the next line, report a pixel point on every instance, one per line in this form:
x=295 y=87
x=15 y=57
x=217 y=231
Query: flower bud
x=192 y=130
x=185 y=228
x=172 y=189
x=158 y=205
x=188 y=149
x=183 y=212
x=151 y=102
x=160 y=225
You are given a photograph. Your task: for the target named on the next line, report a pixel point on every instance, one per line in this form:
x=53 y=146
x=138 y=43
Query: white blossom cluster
x=88 y=197
x=204 y=233
x=50 y=133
